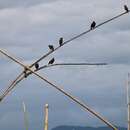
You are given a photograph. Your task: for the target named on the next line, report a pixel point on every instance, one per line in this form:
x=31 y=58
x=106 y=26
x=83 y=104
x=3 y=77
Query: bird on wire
x=93 y=24
x=51 y=47
x=0 y=99
x=36 y=66
x=25 y=72
x=126 y=8
x=51 y=61
x=61 y=41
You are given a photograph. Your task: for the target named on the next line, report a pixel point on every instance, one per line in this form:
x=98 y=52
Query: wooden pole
x=50 y=52
x=46 y=117
x=128 y=101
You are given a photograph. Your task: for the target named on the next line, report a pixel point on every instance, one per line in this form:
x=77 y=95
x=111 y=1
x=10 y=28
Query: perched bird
x=61 y=41
x=93 y=25
x=126 y=8
x=51 y=61
x=51 y=47
x=25 y=72
x=36 y=66
x=1 y=99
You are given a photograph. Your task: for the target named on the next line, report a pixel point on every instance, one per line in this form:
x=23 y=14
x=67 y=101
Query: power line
x=84 y=106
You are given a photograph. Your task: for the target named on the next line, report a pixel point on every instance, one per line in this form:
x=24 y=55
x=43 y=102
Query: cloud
x=18 y=3
x=27 y=27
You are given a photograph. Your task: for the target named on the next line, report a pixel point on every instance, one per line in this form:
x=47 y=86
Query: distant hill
x=84 y=128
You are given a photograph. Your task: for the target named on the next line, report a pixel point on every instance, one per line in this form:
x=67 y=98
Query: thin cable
x=84 y=106
x=73 y=64
x=68 y=64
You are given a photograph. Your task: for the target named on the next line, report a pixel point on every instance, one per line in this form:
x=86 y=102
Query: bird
x=36 y=66
x=1 y=99
x=126 y=8
x=61 y=41
x=25 y=72
x=51 y=61
x=93 y=25
x=51 y=47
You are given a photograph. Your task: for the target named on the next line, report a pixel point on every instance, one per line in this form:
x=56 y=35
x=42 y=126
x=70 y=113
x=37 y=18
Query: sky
x=27 y=27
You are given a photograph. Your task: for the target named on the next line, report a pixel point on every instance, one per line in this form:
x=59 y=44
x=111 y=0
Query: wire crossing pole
x=74 y=99
x=47 y=54
x=128 y=100
x=46 y=117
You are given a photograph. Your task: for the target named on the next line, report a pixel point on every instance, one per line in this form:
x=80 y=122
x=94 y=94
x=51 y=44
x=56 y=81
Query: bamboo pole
x=19 y=78
x=46 y=117
x=74 y=99
x=25 y=116
x=79 y=35
x=128 y=101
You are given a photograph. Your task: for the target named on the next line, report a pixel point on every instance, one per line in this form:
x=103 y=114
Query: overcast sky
x=26 y=29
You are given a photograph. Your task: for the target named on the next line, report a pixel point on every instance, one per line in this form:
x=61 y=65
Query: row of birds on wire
x=51 y=47
x=61 y=41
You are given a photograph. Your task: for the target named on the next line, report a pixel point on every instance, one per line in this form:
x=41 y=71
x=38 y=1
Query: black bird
x=36 y=66
x=126 y=8
x=1 y=99
x=61 y=41
x=93 y=25
x=51 y=61
x=25 y=72
x=51 y=47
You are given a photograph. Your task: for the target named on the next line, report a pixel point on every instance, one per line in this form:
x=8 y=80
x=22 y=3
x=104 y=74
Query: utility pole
x=46 y=117
x=128 y=101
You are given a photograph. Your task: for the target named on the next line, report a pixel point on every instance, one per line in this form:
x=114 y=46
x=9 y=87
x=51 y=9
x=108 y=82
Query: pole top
x=46 y=105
